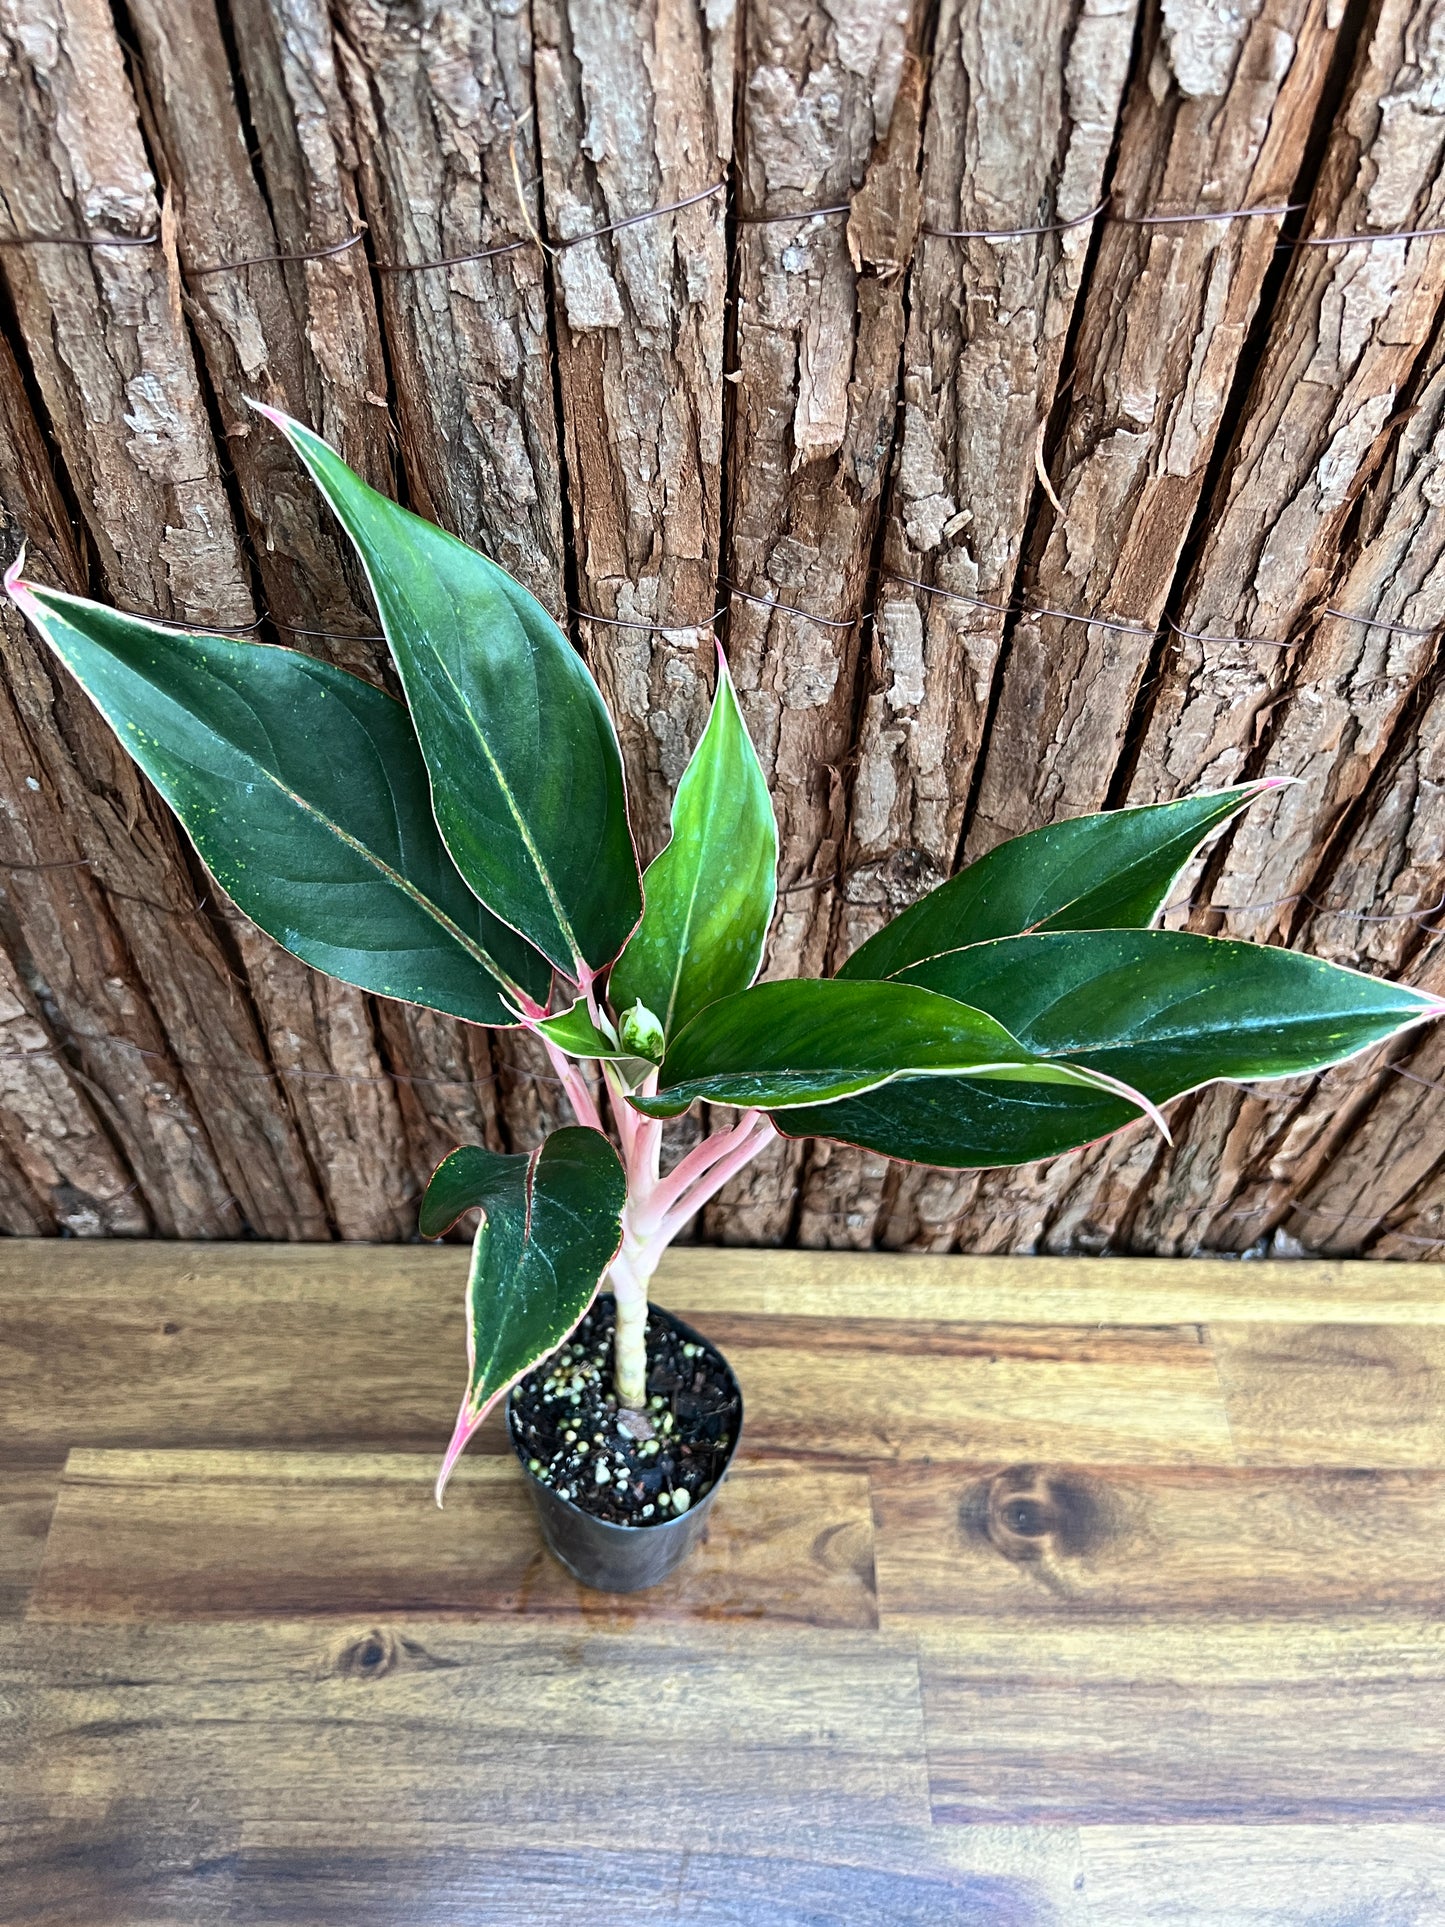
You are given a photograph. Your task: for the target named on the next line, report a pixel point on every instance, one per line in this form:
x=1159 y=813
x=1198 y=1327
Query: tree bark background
x=1007 y=497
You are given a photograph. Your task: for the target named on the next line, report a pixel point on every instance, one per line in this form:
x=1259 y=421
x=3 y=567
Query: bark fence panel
x=683 y=307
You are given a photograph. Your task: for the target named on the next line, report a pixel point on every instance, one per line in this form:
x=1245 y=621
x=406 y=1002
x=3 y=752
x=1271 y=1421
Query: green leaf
x=709 y=895
x=1167 y=1011
x=966 y=1123
x=304 y=791
x=1107 y=872
x=551 y=1225
x=778 y=1045
x=574 y=1032
x=525 y=770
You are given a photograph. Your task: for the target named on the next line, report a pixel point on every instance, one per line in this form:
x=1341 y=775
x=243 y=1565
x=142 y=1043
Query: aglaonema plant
x=468 y=850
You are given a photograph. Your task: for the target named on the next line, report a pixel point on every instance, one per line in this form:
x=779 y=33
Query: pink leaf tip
x=273 y=415
x=20 y=592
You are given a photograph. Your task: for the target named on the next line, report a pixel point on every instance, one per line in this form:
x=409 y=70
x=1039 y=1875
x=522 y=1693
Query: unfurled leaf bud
x=641 y=1033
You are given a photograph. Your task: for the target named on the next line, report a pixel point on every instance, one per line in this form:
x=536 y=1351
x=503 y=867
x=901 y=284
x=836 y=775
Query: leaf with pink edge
x=551 y=1225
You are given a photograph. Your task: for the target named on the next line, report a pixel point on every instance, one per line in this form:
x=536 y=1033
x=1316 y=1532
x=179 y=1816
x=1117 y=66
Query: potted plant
x=468 y=849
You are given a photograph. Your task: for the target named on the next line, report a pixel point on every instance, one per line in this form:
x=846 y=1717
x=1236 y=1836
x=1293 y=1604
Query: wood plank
x=701 y=1735
x=704 y=1278
x=1186 y=1722
x=914 y=1390
x=1332 y=1395
x=207 y=1348
x=237 y=1535
x=28 y=1491
x=1043 y=1543
x=276 y=1874
x=1347 y=1876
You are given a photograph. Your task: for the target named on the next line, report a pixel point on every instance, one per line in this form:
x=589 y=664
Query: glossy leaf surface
x=709 y=895
x=1167 y=1011
x=778 y=1045
x=574 y=1032
x=525 y=770
x=1106 y=872
x=965 y=1123
x=551 y=1225
x=305 y=793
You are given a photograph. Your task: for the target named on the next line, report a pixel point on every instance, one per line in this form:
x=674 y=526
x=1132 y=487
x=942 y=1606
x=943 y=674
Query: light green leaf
x=551 y=1225
x=1167 y=1011
x=304 y=791
x=779 y=1045
x=525 y=770
x=574 y=1032
x=641 y=1031
x=709 y=895
x=1105 y=872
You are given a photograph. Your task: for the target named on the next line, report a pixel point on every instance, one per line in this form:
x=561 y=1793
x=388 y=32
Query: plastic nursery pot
x=626 y=1558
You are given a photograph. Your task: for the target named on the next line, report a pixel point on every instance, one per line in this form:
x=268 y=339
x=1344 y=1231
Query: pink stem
x=726 y=1167
x=573 y=1083
x=698 y=1162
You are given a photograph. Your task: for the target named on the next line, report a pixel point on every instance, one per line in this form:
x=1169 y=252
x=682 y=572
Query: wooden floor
x=1045 y=1593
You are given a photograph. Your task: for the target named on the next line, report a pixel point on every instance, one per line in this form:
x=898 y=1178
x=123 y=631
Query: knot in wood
x=1028 y=1511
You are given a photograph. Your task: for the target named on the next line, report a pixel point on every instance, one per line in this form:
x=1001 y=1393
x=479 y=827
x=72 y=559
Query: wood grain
x=252 y=1674
x=28 y=1489
x=427 y=1722
x=1282 y=1876
x=175 y=1363
x=151 y=1536
x=1194 y=1725
x=266 y=1872
x=1323 y=1395
x=1047 y=1542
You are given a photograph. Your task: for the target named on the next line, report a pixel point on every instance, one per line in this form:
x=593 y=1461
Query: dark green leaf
x=1167 y=1011
x=966 y=1123
x=304 y=791
x=551 y=1225
x=1106 y=872
x=778 y=1045
x=709 y=895
x=525 y=770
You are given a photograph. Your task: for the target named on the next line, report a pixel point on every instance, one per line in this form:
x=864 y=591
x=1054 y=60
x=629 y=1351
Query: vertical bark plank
x=50 y=1134
x=441 y=99
x=1021 y=118
x=830 y=114
x=1371 y=1132
x=308 y=161
x=1350 y=328
x=441 y=1072
x=103 y=327
x=634 y=111
x=113 y=364
x=1020 y=124
x=818 y=345
x=1354 y=339
x=69 y=947
x=256 y=342
x=442 y=113
x=1218 y=115
x=250 y=336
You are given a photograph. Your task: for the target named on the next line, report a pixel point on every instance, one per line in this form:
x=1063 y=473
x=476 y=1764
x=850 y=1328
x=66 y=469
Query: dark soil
x=658 y=1463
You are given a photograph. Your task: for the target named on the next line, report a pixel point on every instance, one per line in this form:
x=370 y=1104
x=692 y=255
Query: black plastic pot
x=615 y=1558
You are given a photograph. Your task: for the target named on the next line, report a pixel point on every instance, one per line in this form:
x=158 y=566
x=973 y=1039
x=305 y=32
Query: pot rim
x=695 y=1510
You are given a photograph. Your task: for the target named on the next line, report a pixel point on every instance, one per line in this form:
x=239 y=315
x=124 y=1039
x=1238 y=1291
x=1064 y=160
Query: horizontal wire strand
x=265 y=260
x=554 y=247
